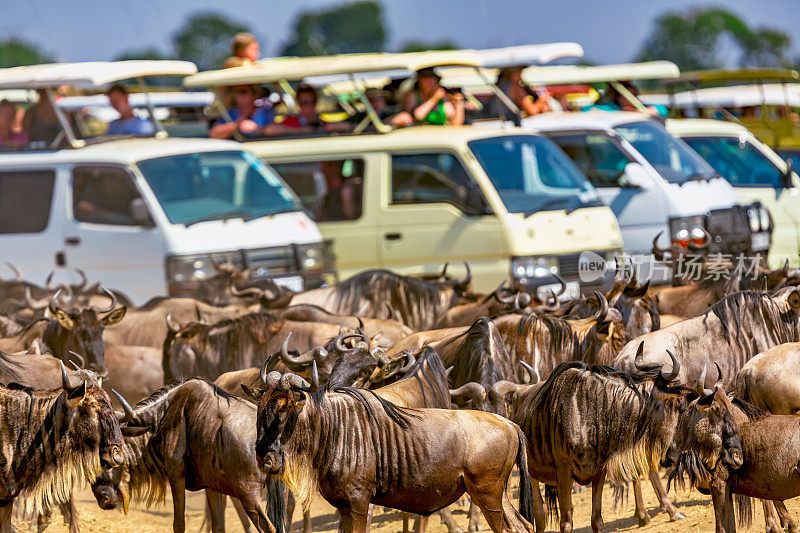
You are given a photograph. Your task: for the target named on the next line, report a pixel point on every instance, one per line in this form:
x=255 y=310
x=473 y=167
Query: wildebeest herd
x=402 y=392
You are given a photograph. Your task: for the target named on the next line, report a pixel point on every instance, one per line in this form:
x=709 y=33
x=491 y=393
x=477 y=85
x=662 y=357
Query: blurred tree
x=418 y=45
x=15 y=52
x=692 y=40
x=346 y=28
x=141 y=53
x=205 y=39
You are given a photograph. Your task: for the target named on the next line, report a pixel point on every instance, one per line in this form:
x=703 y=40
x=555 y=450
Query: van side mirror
x=635 y=176
x=788 y=183
x=140 y=214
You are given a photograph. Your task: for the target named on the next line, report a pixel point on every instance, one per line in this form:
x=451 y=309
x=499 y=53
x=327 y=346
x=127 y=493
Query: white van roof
x=90 y=74
x=566 y=74
x=705 y=126
x=590 y=120
x=733 y=96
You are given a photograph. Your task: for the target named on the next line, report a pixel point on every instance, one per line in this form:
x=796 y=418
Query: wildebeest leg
x=640 y=513
x=359 y=518
x=252 y=506
x=474 y=518
x=178 y=489
x=786 y=518
x=70 y=513
x=242 y=514
x=306 y=521
x=597 y=501
x=422 y=524
x=447 y=519
x=5 y=518
x=770 y=517
x=539 y=516
x=406 y=518
x=290 y=505
x=723 y=506
x=216 y=510
x=43 y=520
x=663 y=498
x=564 y=485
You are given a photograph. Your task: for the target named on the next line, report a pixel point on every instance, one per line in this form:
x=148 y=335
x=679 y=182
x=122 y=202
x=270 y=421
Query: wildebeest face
x=96 y=424
x=276 y=416
x=354 y=367
x=81 y=331
x=108 y=490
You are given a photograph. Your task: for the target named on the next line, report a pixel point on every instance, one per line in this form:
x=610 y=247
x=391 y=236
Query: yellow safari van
x=505 y=200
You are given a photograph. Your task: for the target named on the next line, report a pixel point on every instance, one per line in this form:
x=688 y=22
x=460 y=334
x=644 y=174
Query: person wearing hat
x=530 y=102
x=429 y=103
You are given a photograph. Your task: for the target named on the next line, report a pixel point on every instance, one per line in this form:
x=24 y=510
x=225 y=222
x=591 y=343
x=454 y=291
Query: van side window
x=435 y=178
x=332 y=189
x=25 y=198
x=103 y=195
x=596 y=155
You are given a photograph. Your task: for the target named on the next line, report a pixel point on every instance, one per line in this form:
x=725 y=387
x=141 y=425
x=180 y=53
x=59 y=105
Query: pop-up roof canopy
x=560 y=75
x=89 y=75
x=743 y=74
x=529 y=54
x=730 y=96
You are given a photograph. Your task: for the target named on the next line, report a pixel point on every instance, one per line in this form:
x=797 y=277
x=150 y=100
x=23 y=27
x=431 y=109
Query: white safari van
x=145 y=216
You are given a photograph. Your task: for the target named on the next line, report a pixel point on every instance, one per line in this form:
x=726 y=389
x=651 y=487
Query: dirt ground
x=696 y=507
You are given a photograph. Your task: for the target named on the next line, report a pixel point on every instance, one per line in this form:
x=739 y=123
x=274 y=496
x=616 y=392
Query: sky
x=610 y=31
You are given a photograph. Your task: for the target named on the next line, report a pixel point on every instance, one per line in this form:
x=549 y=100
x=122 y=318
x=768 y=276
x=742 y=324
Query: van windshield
x=675 y=161
x=531 y=174
x=199 y=187
x=738 y=160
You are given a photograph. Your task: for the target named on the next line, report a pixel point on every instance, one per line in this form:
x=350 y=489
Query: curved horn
x=676 y=367
x=314 y=377
x=67 y=381
x=411 y=362
x=502 y=299
x=555 y=306
x=15 y=270
x=48 y=282
x=533 y=375
x=250 y=292
x=291 y=381
x=113 y=298
x=700 y=386
x=268 y=379
x=443 y=274
x=127 y=414
x=339 y=343
x=294 y=360
x=638 y=361
x=467 y=278
x=706 y=242
x=719 y=373
x=503 y=388
x=79 y=357
x=172 y=326
x=34 y=304
x=78 y=287
x=563 y=284
x=603 y=312
x=518 y=300
x=658 y=253
x=52 y=304
x=468 y=391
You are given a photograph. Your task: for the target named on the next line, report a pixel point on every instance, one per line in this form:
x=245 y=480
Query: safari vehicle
x=146 y=216
x=765 y=101
x=506 y=201
x=758 y=175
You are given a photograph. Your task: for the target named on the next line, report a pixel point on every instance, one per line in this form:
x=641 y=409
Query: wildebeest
x=740 y=325
x=72 y=329
x=770 y=380
x=383 y=294
x=367 y=450
x=199 y=437
x=389 y=331
x=52 y=440
x=589 y=422
x=9 y=326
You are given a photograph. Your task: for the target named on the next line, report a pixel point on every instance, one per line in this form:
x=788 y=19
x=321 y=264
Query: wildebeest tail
x=276 y=504
x=526 y=500
x=551 y=500
x=744 y=510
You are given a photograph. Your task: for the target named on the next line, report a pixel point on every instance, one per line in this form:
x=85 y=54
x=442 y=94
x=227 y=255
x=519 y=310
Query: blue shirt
x=131 y=126
x=262 y=116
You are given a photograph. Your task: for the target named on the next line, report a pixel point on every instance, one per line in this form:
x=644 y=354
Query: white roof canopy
x=734 y=96
x=561 y=75
x=529 y=54
x=89 y=75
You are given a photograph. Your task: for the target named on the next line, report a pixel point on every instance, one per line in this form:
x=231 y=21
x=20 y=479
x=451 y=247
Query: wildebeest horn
x=339 y=343
x=127 y=414
x=502 y=299
x=443 y=274
x=79 y=357
x=51 y=305
x=638 y=361
x=719 y=373
x=314 y=377
x=34 y=304
x=173 y=327
x=563 y=285
x=291 y=381
x=469 y=391
x=67 y=381
x=249 y=292
x=411 y=362
x=522 y=299
x=502 y=388
x=82 y=283
x=15 y=270
x=700 y=386
x=555 y=306
x=271 y=379
x=533 y=375
x=467 y=278
x=603 y=312
x=676 y=367
x=214 y=262
x=290 y=359
x=113 y=298
x=706 y=242
x=48 y=282
x=658 y=253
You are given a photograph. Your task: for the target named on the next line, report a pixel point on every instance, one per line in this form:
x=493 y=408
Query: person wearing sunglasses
x=307 y=119
x=246 y=116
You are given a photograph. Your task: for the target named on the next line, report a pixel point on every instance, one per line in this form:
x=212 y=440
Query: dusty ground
x=696 y=507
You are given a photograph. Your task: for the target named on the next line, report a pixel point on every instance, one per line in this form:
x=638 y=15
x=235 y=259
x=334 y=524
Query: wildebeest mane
x=473 y=357
x=431 y=377
x=398 y=415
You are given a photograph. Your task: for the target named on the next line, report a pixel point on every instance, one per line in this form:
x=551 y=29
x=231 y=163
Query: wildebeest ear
x=133 y=431
x=64 y=319
x=794 y=300
x=114 y=316
x=638 y=292
x=605 y=330
x=255 y=394
x=77 y=392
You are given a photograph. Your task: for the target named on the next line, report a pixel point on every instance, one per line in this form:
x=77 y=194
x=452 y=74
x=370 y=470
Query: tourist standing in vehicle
x=246 y=116
x=127 y=123
x=9 y=138
x=529 y=101
x=40 y=124
x=308 y=119
x=429 y=103
x=613 y=100
x=245 y=50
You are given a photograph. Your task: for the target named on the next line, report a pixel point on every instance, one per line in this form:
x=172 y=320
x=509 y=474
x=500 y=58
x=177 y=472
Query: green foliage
x=418 y=45
x=16 y=52
x=205 y=39
x=347 y=28
x=151 y=53
x=692 y=39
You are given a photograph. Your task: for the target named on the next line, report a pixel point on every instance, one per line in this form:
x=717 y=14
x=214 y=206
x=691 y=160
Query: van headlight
x=186 y=272
x=311 y=257
x=684 y=230
x=758 y=218
x=534 y=267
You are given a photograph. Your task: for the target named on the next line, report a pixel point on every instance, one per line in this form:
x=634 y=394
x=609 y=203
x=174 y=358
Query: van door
x=30 y=230
x=433 y=211
x=341 y=194
x=640 y=211
x=757 y=179
x=110 y=233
